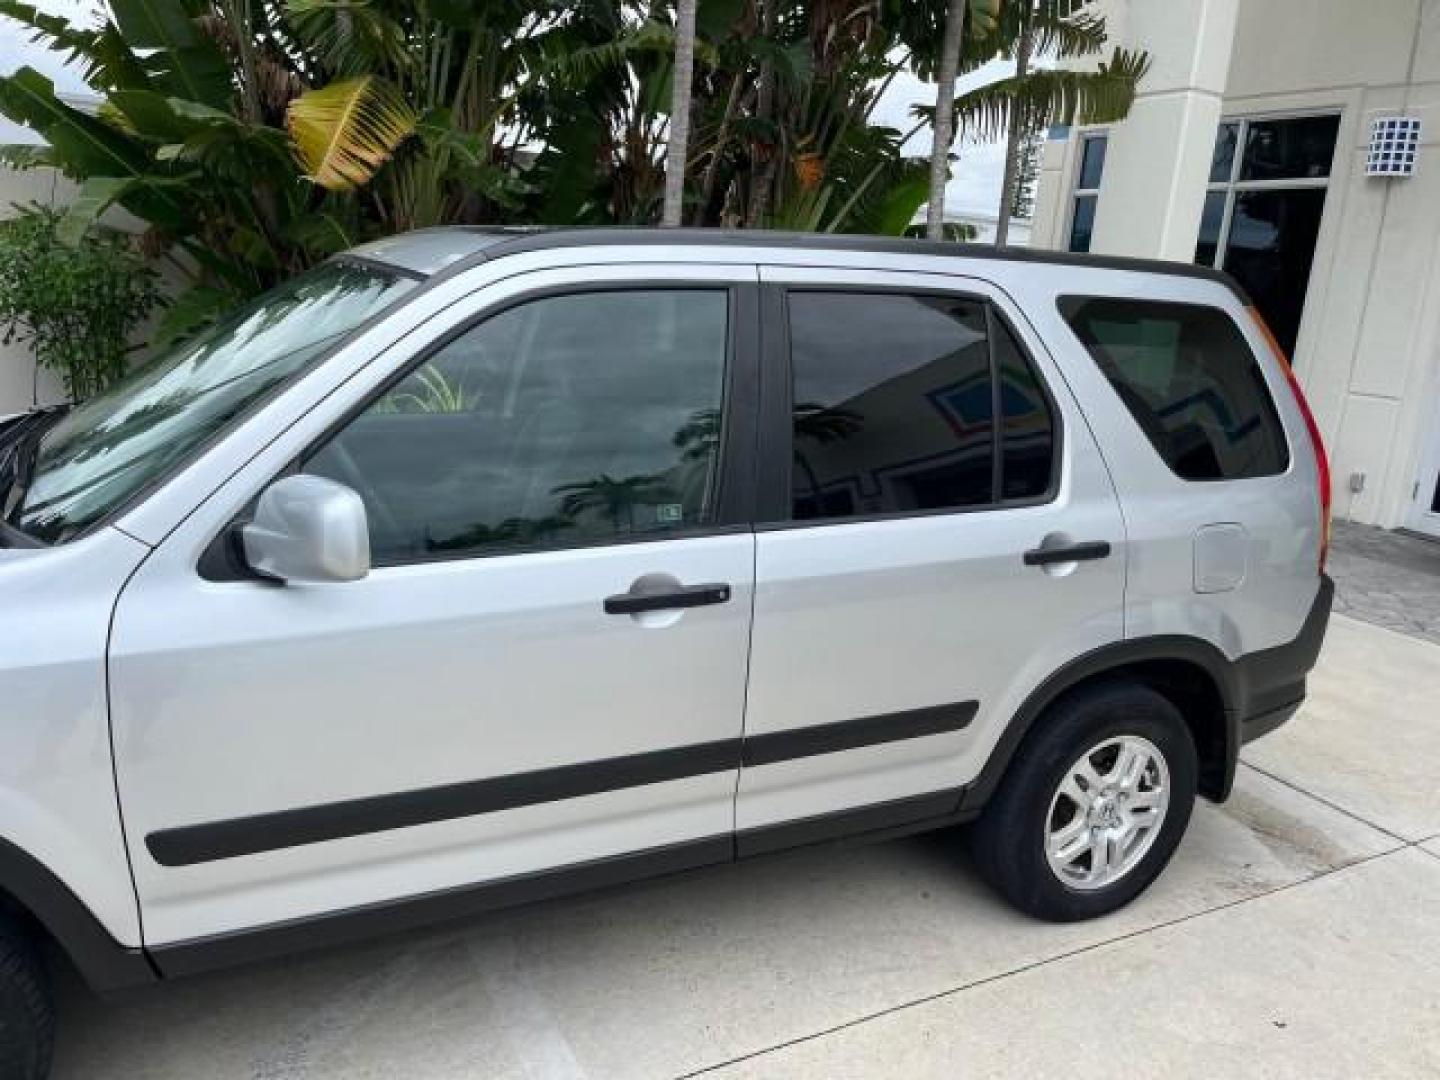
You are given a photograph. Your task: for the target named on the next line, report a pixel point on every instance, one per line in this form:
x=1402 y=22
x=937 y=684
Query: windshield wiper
x=19 y=447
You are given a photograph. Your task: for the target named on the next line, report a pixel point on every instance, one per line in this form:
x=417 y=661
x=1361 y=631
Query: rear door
x=919 y=567
x=545 y=667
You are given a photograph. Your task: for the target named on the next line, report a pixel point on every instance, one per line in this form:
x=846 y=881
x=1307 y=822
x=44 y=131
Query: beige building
x=1250 y=148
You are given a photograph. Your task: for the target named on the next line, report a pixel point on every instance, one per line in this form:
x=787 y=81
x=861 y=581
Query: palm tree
x=614 y=499
x=679 y=140
x=944 y=129
x=1030 y=100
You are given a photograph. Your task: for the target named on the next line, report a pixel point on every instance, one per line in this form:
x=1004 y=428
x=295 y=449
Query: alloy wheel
x=1107 y=812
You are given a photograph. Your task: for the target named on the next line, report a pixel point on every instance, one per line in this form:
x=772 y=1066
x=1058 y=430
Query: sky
x=975 y=180
x=974 y=188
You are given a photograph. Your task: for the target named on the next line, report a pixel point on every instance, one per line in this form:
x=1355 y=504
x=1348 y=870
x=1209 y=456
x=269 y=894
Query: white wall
x=1369 y=347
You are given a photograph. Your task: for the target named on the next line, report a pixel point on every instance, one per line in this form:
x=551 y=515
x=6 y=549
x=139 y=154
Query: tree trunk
x=678 y=146
x=712 y=171
x=763 y=178
x=944 y=118
x=1014 y=141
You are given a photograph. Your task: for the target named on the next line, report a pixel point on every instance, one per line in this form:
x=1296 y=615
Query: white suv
x=476 y=567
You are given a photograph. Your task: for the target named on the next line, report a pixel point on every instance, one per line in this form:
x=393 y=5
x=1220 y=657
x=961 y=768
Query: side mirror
x=307 y=528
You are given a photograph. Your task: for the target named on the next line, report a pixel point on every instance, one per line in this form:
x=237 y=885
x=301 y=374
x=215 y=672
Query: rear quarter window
x=1189 y=379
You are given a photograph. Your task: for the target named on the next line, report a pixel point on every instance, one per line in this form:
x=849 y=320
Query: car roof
x=429 y=251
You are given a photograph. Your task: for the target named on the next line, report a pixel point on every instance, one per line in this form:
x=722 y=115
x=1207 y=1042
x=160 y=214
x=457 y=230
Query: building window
x=1262 y=210
x=1087 y=190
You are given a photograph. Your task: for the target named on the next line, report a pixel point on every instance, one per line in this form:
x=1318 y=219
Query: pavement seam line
x=1326 y=802
x=1023 y=969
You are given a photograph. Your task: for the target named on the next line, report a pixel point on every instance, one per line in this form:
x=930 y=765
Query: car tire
x=1068 y=835
x=27 y=1012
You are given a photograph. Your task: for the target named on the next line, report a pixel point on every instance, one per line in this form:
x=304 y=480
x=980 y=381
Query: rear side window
x=1190 y=381
x=894 y=400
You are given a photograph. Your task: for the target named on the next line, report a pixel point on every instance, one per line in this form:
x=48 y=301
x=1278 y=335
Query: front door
x=500 y=696
x=898 y=618
x=1425 y=506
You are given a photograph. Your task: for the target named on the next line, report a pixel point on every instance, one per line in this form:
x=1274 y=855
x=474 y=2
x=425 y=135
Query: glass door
x=1263 y=208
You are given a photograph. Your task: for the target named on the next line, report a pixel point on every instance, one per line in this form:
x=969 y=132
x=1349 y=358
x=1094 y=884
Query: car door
x=919 y=567
x=545 y=667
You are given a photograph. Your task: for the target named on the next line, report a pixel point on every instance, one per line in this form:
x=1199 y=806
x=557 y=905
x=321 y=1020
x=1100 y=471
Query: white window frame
x=1076 y=191
x=1232 y=185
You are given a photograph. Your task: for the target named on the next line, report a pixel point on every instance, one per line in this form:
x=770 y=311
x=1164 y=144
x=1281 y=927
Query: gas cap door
x=1221 y=555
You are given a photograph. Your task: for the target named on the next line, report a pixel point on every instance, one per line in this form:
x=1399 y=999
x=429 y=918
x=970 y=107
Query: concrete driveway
x=1297 y=933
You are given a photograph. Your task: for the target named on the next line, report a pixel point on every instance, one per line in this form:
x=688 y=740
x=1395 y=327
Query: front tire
x=27 y=1013
x=1093 y=805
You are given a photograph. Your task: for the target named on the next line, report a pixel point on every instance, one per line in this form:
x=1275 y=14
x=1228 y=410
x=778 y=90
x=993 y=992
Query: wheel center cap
x=1105 y=813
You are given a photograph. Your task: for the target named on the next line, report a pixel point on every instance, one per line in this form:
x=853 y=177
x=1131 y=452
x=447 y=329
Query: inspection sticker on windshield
x=670 y=513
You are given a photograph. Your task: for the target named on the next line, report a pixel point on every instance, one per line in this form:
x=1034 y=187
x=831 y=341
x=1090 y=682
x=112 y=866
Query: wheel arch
x=28 y=888
x=1190 y=672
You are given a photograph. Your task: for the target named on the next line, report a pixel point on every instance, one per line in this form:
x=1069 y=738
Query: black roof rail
x=543 y=239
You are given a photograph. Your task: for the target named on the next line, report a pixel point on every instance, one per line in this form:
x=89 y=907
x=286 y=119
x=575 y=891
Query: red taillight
x=1322 y=461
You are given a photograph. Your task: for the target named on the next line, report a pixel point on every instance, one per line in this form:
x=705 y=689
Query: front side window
x=104 y=452
x=565 y=420
x=1262 y=212
x=894 y=399
x=1190 y=381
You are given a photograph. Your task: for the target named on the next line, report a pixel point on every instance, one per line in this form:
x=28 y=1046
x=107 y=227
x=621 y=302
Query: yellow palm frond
x=344 y=132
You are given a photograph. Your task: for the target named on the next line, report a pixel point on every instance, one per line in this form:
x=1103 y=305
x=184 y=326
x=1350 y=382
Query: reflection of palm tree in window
x=698 y=441
x=699 y=435
x=615 y=500
x=820 y=425
x=510 y=533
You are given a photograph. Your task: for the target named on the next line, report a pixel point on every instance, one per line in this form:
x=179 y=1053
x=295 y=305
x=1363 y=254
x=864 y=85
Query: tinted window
x=1092 y=162
x=1222 y=160
x=571 y=419
x=893 y=407
x=1271 y=247
x=1211 y=220
x=1027 y=428
x=1286 y=149
x=1191 y=382
x=1082 y=225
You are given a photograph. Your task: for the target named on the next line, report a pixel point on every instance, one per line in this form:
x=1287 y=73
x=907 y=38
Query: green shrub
x=75 y=306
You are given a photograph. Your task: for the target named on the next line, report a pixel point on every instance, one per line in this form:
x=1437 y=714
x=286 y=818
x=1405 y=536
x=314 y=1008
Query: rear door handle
x=687 y=597
x=1085 y=552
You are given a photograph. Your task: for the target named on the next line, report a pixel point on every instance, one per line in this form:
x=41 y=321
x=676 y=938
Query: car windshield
x=92 y=460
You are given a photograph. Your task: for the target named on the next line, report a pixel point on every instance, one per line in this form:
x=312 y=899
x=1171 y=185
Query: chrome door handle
x=687 y=597
x=1084 y=552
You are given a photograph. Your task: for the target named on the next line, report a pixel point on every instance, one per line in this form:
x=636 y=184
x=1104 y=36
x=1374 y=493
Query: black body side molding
x=879 y=822
x=851 y=734
x=188 y=845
